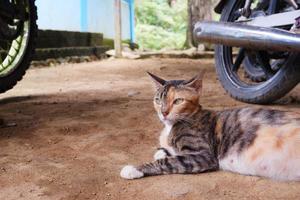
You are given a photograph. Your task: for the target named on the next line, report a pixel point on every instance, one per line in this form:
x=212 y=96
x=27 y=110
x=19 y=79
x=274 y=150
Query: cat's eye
x=178 y=101
x=157 y=100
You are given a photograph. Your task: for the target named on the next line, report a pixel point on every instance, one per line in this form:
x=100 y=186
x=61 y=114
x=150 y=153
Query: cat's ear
x=159 y=82
x=196 y=82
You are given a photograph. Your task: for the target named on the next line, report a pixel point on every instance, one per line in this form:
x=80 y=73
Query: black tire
x=9 y=80
x=253 y=72
x=285 y=79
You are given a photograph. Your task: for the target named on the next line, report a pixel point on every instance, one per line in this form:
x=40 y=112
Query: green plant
x=159 y=26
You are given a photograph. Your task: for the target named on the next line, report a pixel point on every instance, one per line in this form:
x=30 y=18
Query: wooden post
x=118 y=31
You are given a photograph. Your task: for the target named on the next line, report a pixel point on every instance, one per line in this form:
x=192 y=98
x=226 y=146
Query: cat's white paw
x=130 y=172
x=160 y=154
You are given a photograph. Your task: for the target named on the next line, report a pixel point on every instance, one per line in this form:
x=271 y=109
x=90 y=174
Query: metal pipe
x=249 y=37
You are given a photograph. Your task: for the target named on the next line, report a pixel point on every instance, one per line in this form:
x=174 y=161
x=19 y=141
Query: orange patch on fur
x=263 y=143
x=279 y=142
x=256 y=154
x=170 y=98
x=271 y=139
x=191 y=100
x=294 y=132
x=218 y=129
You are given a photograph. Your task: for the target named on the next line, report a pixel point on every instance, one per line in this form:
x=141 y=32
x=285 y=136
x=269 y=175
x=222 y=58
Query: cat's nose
x=165 y=113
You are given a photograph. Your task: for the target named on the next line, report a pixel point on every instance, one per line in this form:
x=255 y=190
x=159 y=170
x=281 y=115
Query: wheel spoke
x=239 y=59
x=264 y=63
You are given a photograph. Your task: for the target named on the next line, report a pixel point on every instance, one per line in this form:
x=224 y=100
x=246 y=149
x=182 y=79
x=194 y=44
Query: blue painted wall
x=85 y=16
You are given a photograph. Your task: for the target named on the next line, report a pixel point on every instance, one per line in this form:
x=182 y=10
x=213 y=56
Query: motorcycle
x=18 y=33
x=257 y=51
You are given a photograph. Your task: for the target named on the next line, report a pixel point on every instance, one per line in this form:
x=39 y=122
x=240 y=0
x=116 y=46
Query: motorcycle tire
x=253 y=72
x=17 y=67
x=284 y=80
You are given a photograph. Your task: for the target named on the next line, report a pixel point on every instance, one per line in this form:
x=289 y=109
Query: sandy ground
x=71 y=128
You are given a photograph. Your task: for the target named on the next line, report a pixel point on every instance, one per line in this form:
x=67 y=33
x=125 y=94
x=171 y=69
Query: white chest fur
x=164 y=138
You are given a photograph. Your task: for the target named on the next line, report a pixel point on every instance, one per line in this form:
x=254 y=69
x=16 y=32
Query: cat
x=250 y=140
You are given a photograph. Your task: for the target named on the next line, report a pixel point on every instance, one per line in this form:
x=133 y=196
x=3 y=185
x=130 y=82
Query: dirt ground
x=68 y=130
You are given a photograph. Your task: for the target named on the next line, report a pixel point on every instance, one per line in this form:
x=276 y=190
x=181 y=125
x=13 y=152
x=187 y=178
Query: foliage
x=159 y=26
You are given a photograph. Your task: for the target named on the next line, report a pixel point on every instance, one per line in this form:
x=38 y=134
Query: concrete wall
x=82 y=15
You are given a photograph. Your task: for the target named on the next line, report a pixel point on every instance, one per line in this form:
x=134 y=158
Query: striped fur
x=250 y=141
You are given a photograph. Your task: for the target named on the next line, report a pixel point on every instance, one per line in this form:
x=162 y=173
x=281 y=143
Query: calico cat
x=250 y=141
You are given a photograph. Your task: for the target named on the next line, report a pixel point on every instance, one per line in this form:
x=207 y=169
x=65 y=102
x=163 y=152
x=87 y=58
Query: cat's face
x=176 y=99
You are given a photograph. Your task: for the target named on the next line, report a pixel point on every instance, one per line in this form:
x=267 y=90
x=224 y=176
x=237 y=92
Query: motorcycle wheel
x=16 y=54
x=278 y=82
x=252 y=70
